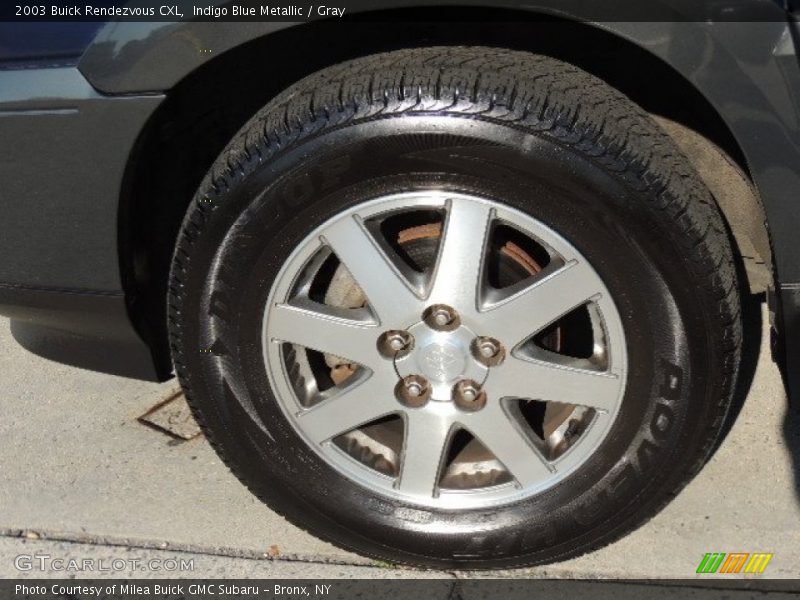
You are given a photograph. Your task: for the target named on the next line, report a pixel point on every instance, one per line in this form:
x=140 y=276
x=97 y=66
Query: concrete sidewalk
x=78 y=468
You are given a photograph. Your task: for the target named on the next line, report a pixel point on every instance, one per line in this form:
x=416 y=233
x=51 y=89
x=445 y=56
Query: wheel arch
x=208 y=104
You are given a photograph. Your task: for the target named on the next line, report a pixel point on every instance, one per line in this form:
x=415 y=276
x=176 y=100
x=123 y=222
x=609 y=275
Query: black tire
x=604 y=176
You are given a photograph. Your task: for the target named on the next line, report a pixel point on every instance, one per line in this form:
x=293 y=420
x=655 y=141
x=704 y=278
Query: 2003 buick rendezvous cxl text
x=445 y=291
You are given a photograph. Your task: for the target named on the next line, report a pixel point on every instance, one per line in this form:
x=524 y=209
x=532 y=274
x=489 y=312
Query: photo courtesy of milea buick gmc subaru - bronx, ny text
x=449 y=286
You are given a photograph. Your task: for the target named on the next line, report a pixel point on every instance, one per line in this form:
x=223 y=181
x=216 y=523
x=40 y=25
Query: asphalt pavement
x=82 y=476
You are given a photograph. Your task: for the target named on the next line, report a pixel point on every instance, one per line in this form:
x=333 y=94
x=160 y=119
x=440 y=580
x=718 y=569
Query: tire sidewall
x=269 y=208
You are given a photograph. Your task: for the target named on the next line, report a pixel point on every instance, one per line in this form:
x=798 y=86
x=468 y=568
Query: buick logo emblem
x=442 y=362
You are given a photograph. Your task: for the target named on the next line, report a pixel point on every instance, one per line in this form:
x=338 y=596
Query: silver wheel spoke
x=326 y=332
x=459 y=266
x=387 y=291
x=354 y=406
x=423 y=453
x=537 y=380
x=535 y=307
x=509 y=443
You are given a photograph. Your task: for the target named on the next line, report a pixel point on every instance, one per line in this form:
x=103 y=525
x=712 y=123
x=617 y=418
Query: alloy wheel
x=445 y=349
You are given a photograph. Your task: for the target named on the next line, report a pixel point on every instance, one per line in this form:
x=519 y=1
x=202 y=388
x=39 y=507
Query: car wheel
x=456 y=307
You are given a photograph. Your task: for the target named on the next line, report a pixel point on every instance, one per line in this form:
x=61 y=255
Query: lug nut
x=488 y=351
x=441 y=317
x=395 y=342
x=413 y=391
x=468 y=395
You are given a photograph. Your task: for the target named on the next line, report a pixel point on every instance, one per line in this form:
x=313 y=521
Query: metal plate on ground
x=174 y=417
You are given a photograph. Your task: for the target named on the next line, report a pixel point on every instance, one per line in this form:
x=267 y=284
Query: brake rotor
x=378 y=445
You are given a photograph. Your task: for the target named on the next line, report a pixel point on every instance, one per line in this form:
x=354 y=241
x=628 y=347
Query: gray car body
x=68 y=132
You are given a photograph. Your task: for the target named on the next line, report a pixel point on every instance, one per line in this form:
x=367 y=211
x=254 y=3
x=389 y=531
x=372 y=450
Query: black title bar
x=372 y=10
x=385 y=589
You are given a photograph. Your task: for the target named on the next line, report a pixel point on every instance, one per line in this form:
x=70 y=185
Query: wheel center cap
x=442 y=362
x=441 y=357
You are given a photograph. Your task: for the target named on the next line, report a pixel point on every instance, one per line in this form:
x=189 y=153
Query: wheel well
x=203 y=112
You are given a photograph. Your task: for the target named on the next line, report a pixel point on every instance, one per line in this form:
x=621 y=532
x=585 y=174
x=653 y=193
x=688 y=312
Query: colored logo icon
x=733 y=563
